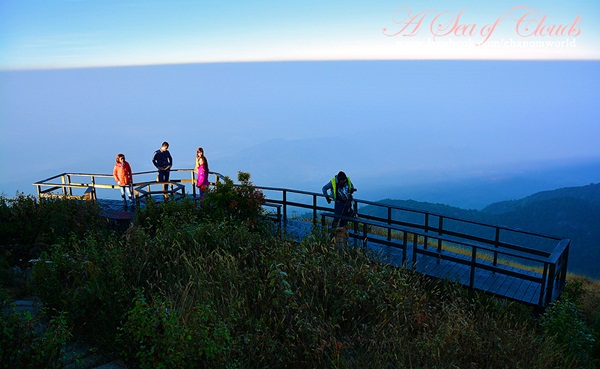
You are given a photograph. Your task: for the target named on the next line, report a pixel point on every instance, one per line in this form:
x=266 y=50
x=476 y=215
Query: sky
x=38 y=34
x=415 y=92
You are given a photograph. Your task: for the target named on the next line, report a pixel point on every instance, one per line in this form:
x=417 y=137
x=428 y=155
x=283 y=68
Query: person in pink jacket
x=123 y=176
x=201 y=171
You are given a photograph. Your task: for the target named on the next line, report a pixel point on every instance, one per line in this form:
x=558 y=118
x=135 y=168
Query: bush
x=89 y=278
x=155 y=335
x=28 y=226
x=242 y=202
x=23 y=344
x=562 y=324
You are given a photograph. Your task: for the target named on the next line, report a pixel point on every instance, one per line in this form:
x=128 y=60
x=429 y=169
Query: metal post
x=473 y=262
x=69 y=182
x=314 y=209
x=389 y=215
x=543 y=286
x=284 y=206
x=496 y=245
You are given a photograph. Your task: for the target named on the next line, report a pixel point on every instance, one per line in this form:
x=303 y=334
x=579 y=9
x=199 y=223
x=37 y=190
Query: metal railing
x=513 y=252
x=486 y=246
x=87 y=185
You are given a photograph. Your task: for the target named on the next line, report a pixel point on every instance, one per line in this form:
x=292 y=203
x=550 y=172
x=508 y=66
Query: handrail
x=423 y=226
x=554 y=262
x=48 y=186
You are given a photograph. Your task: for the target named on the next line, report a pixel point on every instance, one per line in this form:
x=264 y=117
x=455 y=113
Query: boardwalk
x=514 y=264
x=501 y=285
x=501 y=280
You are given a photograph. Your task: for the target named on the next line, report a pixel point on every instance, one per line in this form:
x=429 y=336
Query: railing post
x=389 y=219
x=426 y=222
x=63 y=181
x=473 y=263
x=69 y=182
x=193 y=183
x=284 y=206
x=496 y=245
x=543 y=286
x=440 y=228
x=315 y=209
x=94 y=195
x=550 y=286
x=415 y=249
x=405 y=248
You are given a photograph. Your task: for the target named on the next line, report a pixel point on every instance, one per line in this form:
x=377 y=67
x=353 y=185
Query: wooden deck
x=502 y=285
x=500 y=277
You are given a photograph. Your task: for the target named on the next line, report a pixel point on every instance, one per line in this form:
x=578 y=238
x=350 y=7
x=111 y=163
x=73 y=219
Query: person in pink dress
x=201 y=172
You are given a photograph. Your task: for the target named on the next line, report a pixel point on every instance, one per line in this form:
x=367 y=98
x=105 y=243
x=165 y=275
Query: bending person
x=340 y=188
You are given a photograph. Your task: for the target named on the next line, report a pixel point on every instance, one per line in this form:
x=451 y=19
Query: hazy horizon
x=405 y=125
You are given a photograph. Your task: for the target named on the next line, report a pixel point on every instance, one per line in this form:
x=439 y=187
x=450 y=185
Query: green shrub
x=156 y=336
x=28 y=226
x=89 y=278
x=23 y=344
x=562 y=323
x=242 y=202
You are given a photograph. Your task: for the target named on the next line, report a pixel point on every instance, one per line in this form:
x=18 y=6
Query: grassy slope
x=191 y=285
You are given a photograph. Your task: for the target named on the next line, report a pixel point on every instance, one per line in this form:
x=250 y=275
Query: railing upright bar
x=473 y=264
x=415 y=250
x=405 y=244
x=63 y=180
x=496 y=245
x=94 y=194
x=284 y=199
x=389 y=222
x=543 y=285
x=314 y=209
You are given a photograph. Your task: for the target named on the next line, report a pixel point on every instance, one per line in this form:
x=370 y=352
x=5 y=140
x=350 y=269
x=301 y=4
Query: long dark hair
x=201 y=150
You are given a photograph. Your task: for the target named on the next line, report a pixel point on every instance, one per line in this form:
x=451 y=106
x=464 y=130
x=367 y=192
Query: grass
x=192 y=284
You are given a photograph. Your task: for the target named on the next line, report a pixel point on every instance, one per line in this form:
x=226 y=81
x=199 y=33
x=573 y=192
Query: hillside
x=572 y=212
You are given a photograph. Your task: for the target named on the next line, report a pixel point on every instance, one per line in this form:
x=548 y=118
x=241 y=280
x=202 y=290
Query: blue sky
x=38 y=34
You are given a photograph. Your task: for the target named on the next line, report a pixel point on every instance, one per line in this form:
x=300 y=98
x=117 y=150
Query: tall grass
x=194 y=285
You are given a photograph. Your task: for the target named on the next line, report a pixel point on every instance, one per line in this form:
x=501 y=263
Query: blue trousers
x=341 y=208
x=163 y=176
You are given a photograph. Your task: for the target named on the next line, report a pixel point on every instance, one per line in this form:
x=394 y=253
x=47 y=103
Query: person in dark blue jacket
x=163 y=161
x=341 y=189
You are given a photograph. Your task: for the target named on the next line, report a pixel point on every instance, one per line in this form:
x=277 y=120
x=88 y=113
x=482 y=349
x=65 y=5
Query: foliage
x=225 y=201
x=24 y=345
x=242 y=202
x=204 y=284
x=562 y=323
x=156 y=336
x=89 y=278
x=29 y=226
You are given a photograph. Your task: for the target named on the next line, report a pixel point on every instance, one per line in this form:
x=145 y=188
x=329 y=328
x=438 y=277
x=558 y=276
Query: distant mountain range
x=572 y=212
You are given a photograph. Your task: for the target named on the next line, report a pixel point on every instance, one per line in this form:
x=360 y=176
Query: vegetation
x=209 y=284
